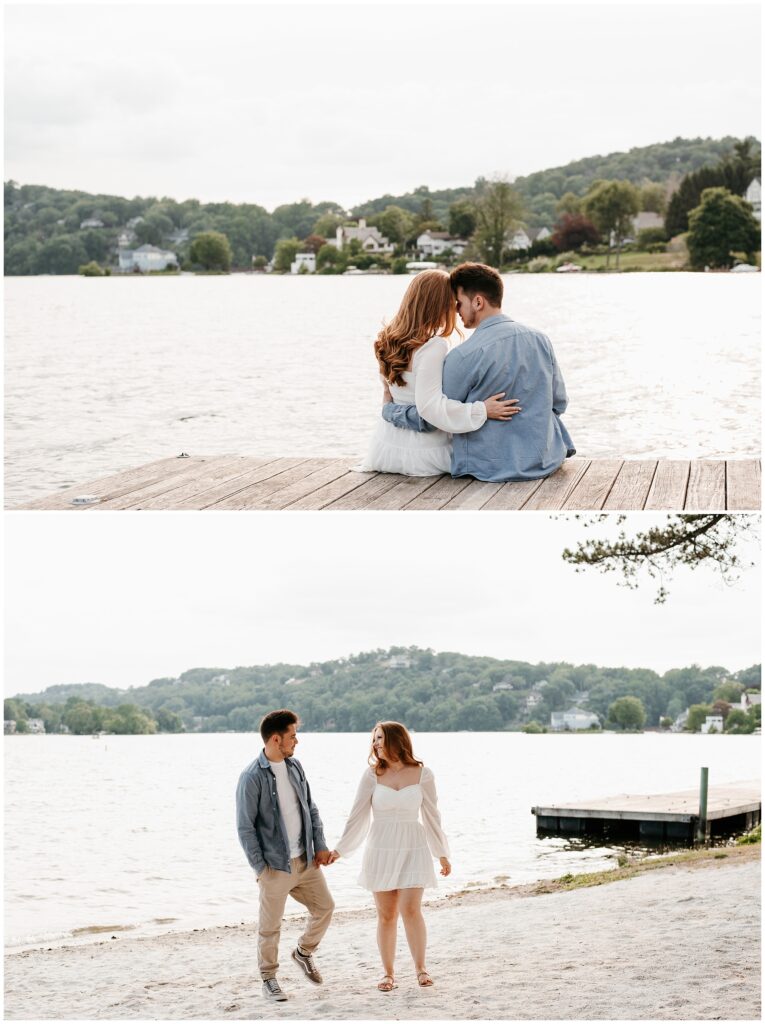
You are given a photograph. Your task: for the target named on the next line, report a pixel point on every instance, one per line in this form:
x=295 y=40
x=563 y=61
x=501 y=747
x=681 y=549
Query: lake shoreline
x=578 y=954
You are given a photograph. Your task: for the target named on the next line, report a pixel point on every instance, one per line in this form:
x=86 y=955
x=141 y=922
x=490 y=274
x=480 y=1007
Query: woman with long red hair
x=410 y=353
x=397 y=790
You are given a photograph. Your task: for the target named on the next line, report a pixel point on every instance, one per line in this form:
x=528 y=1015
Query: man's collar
x=263 y=761
x=492 y=320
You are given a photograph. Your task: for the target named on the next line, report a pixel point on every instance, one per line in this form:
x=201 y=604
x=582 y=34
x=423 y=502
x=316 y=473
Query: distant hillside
x=428 y=691
x=55 y=231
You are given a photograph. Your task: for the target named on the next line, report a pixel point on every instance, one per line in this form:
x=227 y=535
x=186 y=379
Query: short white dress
x=410 y=452
x=400 y=849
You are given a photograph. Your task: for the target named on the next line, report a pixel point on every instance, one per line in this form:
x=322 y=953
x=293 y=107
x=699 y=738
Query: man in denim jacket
x=501 y=356
x=283 y=837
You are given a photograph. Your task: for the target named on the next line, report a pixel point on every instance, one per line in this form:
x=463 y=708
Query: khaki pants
x=307 y=885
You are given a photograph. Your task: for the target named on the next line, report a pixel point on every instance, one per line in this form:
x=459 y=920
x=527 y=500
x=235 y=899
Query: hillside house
x=35 y=725
x=748 y=700
x=574 y=720
x=435 y=243
x=91 y=222
x=370 y=238
x=304 y=259
x=713 y=723
x=9 y=726
x=146 y=258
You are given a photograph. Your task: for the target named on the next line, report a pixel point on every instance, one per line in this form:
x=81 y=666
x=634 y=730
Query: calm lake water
x=138 y=832
x=104 y=374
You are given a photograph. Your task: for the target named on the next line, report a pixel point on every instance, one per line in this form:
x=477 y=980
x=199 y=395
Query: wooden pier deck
x=730 y=807
x=241 y=482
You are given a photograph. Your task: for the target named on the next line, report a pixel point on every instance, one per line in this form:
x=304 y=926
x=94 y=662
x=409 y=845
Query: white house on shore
x=574 y=719
x=748 y=700
x=753 y=195
x=91 y=222
x=435 y=243
x=713 y=723
x=304 y=259
x=145 y=258
x=370 y=238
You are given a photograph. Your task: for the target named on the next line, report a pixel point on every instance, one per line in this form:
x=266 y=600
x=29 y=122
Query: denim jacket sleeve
x=319 y=842
x=406 y=417
x=247 y=795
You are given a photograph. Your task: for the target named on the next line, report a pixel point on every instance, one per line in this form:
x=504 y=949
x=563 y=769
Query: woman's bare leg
x=410 y=907
x=387 y=920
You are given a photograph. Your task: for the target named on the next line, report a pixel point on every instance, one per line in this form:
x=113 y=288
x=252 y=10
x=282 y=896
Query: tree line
x=429 y=691
x=44 y=232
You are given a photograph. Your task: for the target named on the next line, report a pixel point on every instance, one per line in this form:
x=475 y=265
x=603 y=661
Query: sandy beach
x=681 y=942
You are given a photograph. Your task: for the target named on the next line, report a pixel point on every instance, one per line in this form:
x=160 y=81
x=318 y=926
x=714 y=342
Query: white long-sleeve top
x=357 y=825
x=424 y=388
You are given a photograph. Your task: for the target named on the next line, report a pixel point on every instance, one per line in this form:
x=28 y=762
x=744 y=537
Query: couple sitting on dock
x=447 y=412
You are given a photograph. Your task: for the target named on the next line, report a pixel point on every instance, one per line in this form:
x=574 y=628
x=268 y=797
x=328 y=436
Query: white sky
x=124 y=598
x=270 y=103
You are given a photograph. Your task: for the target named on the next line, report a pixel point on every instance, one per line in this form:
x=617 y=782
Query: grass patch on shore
x=633 y=867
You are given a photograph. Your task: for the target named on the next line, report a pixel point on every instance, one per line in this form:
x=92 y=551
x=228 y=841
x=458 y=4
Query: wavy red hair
x=398 y=743
x=428 y=309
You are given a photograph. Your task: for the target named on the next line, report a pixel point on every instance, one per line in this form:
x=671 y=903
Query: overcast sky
x=270 y=103
x=122 y=599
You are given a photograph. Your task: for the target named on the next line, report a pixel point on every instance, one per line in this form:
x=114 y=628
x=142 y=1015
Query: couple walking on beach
x=449 y=411
x=283 y=837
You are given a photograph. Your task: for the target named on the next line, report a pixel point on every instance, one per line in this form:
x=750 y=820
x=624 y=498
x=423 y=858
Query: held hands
x=323 y=858
x=497 y=408
x=446 y=868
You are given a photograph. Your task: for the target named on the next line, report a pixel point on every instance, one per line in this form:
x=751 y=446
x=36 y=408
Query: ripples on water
x=105 y=374
x=137 y=833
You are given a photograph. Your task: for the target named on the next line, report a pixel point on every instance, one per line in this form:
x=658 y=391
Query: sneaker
x=272 y=990
x=306 y=961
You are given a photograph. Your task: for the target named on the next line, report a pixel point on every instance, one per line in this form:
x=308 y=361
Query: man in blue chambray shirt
x=501 y=356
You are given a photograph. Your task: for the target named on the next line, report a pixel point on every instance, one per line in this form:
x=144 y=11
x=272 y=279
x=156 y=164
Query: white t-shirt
x=290 y=808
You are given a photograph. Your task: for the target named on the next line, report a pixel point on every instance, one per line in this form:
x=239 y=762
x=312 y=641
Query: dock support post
x=701 y=828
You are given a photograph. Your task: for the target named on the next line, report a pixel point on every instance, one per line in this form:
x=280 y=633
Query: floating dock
x=732 y=807
x=241 y=482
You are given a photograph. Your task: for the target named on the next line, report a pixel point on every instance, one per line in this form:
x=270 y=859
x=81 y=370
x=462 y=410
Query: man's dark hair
x=277 y=722
x=478 y=279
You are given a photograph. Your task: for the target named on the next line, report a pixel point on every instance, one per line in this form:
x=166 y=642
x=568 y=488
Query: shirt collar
x=491 y=320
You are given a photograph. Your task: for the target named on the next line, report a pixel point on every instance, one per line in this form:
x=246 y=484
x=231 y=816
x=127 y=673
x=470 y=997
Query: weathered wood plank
x=631 y=487
x=593 y=487
x=743 y=484
x=254 y=473
x=725 y=799
x=162 y=492
x=512 y=496
x=336 y=489
x=706 y=486
x=398 y=497
x=363 y=496
x=306 y=487
x=438 y=494
x=473 y=498
x=669 y=487
x=554 y=490
x=244 y=482
x=249 y=496
x=119 y=483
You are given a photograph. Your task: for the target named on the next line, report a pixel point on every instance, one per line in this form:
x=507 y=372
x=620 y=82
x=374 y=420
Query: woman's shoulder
x=435 y=344
x=426 y=775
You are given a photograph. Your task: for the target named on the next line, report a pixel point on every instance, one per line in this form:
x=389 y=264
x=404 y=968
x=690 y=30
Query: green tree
x=720 y=227
x=129 y=719
x=330 y=260
x=569 y=204
x=169 y=721
x=653 y=197
x=627 y=712
x=611 y=206
x=534 y=727
x=697 y=714
x=397 y=224
x=462 y=219
x=498 y=212
x=690 y=540
x=92 y=269
x=286 y=251
x=211 y=250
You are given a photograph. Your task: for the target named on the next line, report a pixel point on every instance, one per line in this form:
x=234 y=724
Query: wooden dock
x=240 y=482
x=669 y=816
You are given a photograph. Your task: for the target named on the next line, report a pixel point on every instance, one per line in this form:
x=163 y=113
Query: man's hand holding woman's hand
x=497 y=408
x=323 y=858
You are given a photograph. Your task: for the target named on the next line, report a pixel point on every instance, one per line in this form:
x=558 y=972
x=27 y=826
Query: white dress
x=397 y=450
x=400 y=850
